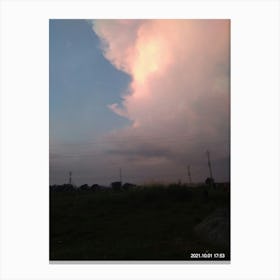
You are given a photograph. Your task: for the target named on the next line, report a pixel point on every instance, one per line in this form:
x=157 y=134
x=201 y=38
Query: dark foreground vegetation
x=177 y=222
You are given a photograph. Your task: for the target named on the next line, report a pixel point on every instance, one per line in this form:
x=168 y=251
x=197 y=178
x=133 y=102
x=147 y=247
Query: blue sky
x=82 y=84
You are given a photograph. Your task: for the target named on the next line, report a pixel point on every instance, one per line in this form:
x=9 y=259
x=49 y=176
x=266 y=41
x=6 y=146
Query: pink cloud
x=180 y=83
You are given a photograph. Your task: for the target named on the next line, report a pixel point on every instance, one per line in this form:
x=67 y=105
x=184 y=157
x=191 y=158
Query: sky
x=147 y=96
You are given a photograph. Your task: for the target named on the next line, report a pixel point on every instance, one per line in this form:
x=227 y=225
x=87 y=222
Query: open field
x=148 y=223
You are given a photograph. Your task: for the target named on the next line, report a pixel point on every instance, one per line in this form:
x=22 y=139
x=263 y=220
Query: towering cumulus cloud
x=178 y=98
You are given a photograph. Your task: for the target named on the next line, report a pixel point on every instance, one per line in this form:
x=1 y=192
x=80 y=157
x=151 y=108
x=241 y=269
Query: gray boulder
x=215 y=228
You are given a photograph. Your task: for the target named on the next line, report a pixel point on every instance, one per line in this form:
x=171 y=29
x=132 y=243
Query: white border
x=254 y=146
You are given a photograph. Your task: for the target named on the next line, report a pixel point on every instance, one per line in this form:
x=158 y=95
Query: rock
x=215 y=228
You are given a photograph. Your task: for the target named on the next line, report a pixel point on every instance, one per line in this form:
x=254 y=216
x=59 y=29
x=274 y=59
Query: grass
x=148 y=223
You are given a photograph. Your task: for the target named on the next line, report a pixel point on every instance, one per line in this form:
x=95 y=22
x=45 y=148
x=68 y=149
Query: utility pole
x=121 y=176
x=189 y=174
x=70 y=178
x=209 y=165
